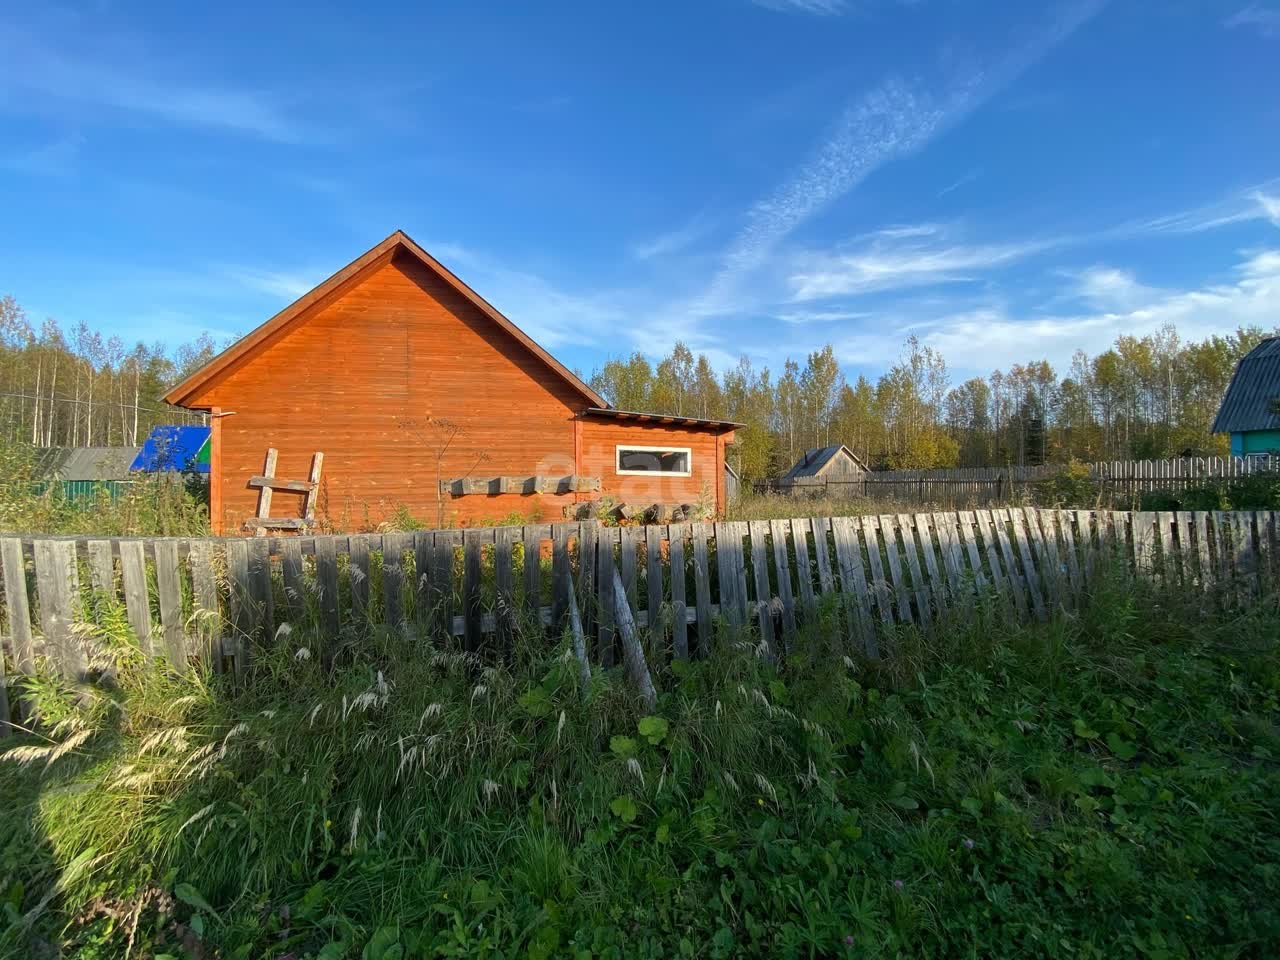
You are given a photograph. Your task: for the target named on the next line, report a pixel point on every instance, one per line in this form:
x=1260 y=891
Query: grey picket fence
x=222 y=600
x=1118 y=481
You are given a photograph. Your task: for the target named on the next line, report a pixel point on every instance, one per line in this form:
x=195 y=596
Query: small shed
x=1250 y=410
x=82 y=472
x=833 y=463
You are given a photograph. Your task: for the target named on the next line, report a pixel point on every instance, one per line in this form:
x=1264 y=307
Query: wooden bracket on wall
x=267 y=482
x=487 y=486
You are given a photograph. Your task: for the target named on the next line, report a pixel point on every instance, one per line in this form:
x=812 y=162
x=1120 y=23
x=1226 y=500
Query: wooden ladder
x=268 y=482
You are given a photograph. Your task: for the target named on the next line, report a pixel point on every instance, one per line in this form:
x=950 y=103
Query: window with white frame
x=668 y=461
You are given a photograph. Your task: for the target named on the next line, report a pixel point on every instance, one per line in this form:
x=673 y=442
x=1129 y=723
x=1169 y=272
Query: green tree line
x=1145 y=397
x=76 y=388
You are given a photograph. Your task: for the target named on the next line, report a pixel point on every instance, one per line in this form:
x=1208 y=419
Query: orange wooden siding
x=377 y=372
x=600 y=438
x=362 y=377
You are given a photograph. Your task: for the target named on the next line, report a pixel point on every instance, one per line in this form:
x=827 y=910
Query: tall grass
x=783 y=506
x=149 y=505
x=1105 y=785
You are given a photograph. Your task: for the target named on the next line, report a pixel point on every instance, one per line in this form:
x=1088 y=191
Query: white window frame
x=617 y=461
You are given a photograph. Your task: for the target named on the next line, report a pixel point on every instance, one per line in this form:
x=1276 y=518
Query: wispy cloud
x=821 y=8
x=36 y=73
x=673 y=241
x=288 y=285
x=1109 y=288
x=965 y=180
x=551 y=315
x=1269 y=204
x=996 y=335
x=799 y=318
x=57 y=158
x=901 y=258
x=1261 y=202
x=1256 y=17
x=894 y=119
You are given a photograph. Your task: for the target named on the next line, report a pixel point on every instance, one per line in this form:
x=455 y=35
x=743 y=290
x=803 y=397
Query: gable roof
x=348 y=276
x=662 y=419
x=815 y=461
x=1249 y=403
x=84 y=463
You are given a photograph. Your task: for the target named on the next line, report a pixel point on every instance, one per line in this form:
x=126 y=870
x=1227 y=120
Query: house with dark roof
x=833 y=463
x=83 y=472
x=1250 y=409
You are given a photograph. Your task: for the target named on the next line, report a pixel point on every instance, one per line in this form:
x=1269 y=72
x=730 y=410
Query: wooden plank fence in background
x=225 y=599
x=1120 y=482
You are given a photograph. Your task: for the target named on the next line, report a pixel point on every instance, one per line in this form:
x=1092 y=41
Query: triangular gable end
x=346 y=278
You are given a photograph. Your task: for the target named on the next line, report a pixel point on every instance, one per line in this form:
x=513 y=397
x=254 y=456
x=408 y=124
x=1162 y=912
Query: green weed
x=1100 y=786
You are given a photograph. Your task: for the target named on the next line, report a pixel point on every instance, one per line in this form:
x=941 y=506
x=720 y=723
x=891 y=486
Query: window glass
x=653 y=460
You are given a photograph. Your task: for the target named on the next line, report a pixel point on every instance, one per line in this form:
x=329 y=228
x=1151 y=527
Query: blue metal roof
x=1250 y=402
x=173 y=448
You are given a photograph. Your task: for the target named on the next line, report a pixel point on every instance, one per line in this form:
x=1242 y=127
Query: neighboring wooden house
x=1250 y=409
x=83 y=472
x=421 y=395
x=824 y=464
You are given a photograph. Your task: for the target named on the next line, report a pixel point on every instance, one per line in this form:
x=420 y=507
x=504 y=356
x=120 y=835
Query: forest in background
x=1143 y=398
x=1150 y=397
x=79 y=389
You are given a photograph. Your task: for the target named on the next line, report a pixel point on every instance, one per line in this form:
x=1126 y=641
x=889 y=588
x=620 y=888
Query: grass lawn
x=1099 y=787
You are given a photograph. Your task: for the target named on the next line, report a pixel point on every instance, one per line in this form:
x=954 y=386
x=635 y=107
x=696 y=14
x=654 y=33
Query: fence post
x=15 y=593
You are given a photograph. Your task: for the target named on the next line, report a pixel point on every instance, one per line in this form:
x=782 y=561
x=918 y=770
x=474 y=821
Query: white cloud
x=994 y=336
x=37 y=74
x=821 y=8
x=968 y=178
x=799 y=318
x=1255 y=203
x=893 y=119
x=1262 y=266
x=1265 y=21
x=1110 y=288
x=56 y=158
x=900 y=258
x=552 y=316
x=284 y=284
x=1269 y=204
x=673 y=241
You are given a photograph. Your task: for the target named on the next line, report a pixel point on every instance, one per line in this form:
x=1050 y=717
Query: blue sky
x=1005 y=181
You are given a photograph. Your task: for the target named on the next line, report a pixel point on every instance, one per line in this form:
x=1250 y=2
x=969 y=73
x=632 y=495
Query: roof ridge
x=181 y=393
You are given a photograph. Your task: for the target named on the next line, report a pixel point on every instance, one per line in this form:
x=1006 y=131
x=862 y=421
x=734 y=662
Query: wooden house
x=825 y=464
x=422 y=396
x=1250 y=410
x=83 y=473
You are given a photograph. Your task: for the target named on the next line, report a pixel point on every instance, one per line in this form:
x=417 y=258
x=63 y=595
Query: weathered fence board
x=702 y=585
x=758 y=530
x=58 y=587
x=804 y=571
x=679 y=608
x=1121 y=482
x=184 y=601
x=169 y=589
